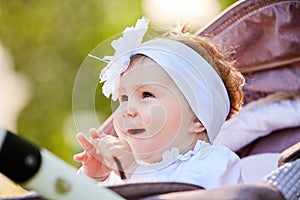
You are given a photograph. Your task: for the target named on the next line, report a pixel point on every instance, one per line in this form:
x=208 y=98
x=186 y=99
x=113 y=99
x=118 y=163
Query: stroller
x=265 y=35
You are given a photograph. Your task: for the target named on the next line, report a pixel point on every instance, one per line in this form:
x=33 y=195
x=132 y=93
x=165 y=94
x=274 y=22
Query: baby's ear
x=197 y=126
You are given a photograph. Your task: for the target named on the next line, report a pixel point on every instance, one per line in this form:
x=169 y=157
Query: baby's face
x=153 y=115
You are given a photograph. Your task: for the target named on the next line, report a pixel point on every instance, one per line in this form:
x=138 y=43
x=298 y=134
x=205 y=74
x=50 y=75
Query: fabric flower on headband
x=118 y=63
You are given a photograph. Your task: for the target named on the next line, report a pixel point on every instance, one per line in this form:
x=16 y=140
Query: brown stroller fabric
x=289 y=155
x=265 y=36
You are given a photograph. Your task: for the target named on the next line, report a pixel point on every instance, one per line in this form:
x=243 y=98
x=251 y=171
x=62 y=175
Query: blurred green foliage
x=48 y=40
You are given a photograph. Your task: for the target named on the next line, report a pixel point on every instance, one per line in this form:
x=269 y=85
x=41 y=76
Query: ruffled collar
x=169 y=157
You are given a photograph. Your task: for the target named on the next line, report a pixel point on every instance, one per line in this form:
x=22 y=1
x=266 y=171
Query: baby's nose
x=129 y=111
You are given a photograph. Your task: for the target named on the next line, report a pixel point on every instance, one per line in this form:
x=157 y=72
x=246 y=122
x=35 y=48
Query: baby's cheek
x=157 y=119
x=116 y=123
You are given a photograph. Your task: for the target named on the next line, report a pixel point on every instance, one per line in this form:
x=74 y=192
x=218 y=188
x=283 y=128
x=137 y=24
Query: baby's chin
x=148 y=157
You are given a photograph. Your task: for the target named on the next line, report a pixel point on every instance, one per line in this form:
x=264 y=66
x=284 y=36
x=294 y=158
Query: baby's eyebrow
x=150 y=84
x=147 y=86
x=121 y=90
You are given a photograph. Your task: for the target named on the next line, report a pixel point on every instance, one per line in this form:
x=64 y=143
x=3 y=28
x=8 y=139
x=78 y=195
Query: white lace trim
x=169 y=157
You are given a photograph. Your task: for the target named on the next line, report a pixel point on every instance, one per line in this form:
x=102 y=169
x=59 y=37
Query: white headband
x=194 y=76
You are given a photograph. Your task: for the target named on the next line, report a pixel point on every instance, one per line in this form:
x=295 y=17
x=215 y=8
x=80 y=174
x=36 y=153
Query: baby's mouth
x=135 y=131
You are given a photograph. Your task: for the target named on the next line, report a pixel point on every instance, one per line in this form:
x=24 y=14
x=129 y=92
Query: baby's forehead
x=140 y=59
x=144 y=70
x=140 y=63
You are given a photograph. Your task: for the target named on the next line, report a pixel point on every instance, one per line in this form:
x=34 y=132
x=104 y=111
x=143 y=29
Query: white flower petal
x=118 y=63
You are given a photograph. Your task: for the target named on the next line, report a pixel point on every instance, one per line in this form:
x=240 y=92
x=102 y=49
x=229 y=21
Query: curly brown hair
x=219 y=59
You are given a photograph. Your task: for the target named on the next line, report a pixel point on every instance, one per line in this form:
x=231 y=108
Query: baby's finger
x=80 y=157
x=106 y=142
x=94 y=134
x=89 y=147
x=85 y=143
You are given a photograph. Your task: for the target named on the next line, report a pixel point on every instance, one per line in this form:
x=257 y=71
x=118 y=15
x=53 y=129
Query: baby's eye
x=124 y=98
x=147 y=95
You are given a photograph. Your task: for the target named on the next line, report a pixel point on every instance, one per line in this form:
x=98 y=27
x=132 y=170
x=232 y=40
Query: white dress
x=209 y=166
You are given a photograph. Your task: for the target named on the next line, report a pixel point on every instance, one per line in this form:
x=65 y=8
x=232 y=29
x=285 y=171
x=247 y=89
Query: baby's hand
x=92 y=163
x=111 y=147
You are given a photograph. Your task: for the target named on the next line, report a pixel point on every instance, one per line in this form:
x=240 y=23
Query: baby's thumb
x=80 y=157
